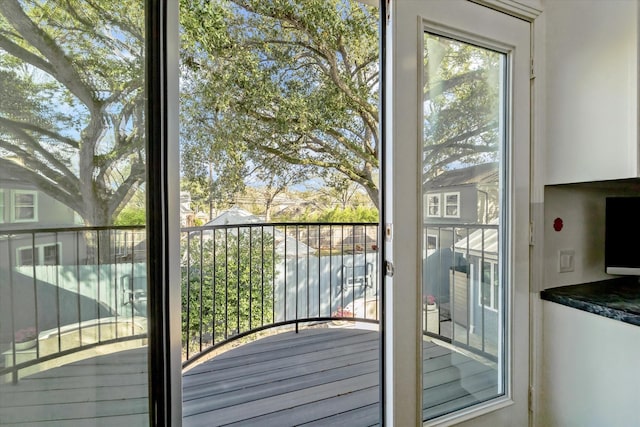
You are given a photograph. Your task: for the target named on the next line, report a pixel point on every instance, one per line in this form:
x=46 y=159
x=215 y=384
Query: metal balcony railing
x=462 y=280
x=66 y=290
x=241 y=279
x=77 y=288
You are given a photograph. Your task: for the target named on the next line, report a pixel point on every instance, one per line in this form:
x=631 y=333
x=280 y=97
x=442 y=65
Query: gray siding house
x=26 y=210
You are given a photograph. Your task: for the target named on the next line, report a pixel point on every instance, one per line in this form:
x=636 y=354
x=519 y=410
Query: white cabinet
x=590 y=374
x=591 y=90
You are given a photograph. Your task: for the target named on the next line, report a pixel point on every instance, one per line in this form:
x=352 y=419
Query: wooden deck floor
x=319 y=377
x=324 y=376
x=107 y=390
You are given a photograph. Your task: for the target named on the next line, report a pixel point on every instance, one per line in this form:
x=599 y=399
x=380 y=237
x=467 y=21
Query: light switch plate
x=566 y=260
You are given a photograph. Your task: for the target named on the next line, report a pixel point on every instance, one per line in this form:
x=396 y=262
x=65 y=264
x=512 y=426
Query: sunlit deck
x=323 y=376
x=107 y=390
x=320 y=376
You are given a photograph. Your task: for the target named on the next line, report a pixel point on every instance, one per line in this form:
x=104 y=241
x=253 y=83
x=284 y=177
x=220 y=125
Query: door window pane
x=462 y=147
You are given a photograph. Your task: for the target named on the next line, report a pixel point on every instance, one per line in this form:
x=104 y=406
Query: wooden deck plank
x=230 y=381
x=456 y=404
x=365 y=416
x=286 y=358
x=312 y=395
x=306 y=342
x=302 y=339
x=277 y=384
x=25 y=399
x=359 y=409
x=62 y=382
x=105 y=390
x=453 y=373
x=135 y=420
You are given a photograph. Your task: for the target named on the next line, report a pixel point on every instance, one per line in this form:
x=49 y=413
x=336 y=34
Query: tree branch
x=62 y=67
x=19 y=52
x=31 y=127
x=64 y=178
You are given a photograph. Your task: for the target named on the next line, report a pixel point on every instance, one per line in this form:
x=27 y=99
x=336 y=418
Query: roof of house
x=235 y=215
x=238 y=216
x=484 y=173
x=481 y=242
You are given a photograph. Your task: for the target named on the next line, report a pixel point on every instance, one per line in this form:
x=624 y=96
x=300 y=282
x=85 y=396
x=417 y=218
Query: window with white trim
x=432 y=242
x=433 y=205
x=25 y=206
x=452 y=205
x=39 y=255
x=1 y=206
x=488 y=295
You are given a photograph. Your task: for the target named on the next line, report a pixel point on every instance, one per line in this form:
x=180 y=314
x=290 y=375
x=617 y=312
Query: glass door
x=459 y=104
x=73 y=229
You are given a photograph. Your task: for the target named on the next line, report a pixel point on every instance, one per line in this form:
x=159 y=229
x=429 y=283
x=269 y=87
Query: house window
x=27 y=256
x=489 y=286
x=25 y=206
x=433 y=205
x=1 y=206
x=452 y=205
x=39 y=255
x=51 y=255
x=432 y=242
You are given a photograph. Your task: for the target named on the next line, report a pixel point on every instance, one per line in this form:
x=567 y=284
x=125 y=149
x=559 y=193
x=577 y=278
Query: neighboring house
x=456 y=204
x=237 y=216
x=24 y=207
x=467 y=195
x=187 y=216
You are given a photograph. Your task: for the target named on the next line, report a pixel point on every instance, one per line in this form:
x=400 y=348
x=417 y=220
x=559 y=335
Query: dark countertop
x=617 y=299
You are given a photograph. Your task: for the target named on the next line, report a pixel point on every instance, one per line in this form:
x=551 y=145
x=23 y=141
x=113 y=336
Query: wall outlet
x=566 y=260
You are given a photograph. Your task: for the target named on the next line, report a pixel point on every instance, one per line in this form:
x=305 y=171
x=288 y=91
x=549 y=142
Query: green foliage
x=131 y=216
x=230 y=280
x=339 y=215
x=199 y=190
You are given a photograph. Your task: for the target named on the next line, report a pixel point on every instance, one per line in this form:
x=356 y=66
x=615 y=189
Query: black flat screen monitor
x=622 y=236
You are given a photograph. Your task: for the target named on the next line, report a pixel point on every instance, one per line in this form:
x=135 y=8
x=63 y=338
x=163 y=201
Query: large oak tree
x=72 y=100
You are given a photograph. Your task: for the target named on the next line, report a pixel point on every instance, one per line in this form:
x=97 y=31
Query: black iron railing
x=241 y=279
x=65 y=290
x=78 y=288
x=463 y=294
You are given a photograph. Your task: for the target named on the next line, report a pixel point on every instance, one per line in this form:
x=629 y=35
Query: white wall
x=590 y=370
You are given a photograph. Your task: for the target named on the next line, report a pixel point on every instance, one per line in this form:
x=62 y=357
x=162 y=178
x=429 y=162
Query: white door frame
x=402 y=204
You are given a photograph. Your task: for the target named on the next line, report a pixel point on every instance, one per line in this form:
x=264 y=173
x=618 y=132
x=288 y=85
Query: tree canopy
x=72 y=110
x=293 y=80
x=299 y=80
